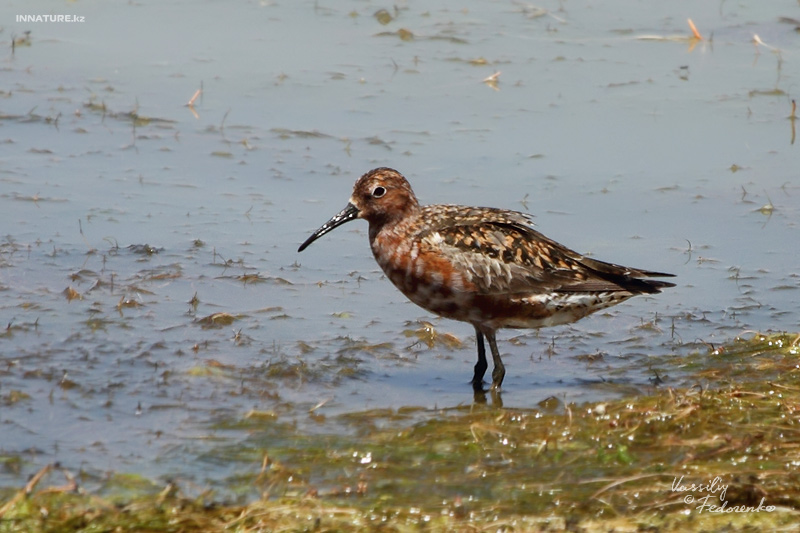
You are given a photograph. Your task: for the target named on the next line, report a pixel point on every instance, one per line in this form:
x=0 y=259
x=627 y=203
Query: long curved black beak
x=347 y=214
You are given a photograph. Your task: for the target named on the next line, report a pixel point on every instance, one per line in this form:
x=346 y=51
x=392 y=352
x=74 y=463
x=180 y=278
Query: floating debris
x=190 y=103
x=695 y=33
x=383 y=17
x=427 y=335
x=194 y=97
x=493 y=80
x=72 y=294
x=144 y=249
x=25 y=40
x=693 y=39
x=757 y=41
x=217 y=320
x=405 y=35
x=303 y=134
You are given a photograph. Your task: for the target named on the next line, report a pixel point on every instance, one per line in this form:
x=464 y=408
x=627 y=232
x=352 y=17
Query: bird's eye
x=377 y=192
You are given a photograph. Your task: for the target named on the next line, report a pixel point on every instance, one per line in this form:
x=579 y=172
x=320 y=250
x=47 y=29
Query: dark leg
x=481 y=365
x=499 y=371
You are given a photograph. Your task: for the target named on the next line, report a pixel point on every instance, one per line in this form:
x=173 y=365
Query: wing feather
x=500 y=252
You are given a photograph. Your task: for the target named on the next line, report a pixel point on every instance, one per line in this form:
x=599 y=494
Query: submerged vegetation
x=720 y=454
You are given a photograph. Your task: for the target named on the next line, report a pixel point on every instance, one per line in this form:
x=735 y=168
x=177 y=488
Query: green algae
x=719 y=453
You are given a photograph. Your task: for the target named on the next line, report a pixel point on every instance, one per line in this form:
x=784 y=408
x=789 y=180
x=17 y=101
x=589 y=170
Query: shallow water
x=177 y=227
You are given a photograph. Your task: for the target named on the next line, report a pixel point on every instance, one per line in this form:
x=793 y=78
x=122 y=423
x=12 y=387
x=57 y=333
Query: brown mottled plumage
x=481 y=265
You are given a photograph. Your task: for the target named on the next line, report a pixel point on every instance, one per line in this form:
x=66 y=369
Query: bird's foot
x=497 y=377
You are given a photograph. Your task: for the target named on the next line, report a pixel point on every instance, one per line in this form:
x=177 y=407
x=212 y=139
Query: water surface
x=152 y=291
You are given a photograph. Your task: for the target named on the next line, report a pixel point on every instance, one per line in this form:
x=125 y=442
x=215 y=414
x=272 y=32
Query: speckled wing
x=499 y=252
